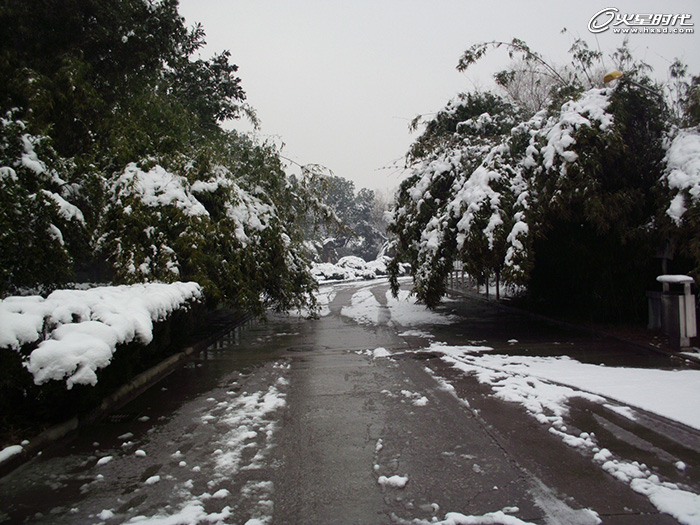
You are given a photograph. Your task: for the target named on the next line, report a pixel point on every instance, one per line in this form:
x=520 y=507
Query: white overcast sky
x=338 y=81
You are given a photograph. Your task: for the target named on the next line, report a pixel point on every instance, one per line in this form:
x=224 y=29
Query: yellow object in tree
x=613 y=75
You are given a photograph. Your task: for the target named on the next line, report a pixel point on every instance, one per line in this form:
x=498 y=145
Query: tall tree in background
x=359 y=229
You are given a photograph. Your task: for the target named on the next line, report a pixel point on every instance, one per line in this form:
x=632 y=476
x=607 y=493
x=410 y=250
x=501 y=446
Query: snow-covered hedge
x=76 y=332
x=351 y=268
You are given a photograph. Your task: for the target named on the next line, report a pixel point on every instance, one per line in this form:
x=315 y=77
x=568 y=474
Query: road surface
x=352 y=418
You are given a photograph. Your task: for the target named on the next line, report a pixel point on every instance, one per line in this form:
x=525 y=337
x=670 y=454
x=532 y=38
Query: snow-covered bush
x=681 y=179
x=74 y=333
x=61 y=355
x=222 y=222
x=352 y=268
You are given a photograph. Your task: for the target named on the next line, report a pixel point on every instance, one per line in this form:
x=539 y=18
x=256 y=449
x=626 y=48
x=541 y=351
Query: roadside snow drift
x=79 y=330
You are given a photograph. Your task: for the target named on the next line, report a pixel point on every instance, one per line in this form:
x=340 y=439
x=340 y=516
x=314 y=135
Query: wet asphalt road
x=295 y=421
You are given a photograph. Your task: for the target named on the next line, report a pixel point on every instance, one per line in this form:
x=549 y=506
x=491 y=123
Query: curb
x=684 y=357
x=117 y=399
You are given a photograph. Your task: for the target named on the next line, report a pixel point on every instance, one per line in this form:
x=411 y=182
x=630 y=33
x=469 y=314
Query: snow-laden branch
x=682 y=173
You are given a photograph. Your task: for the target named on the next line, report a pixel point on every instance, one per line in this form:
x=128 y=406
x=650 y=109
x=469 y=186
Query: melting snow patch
x=106 y=515
x=104 y=460
x=668 y=498
x=248 y=423
x=529 y=380
x=364 y=307
x=526 y=380
x=416 y=333
x=380 y=352
x=421 y=401
x=192 y=512
x=491 y=518
x=395 y=481
x=623 y=411
x=406 y=312
x=8 y=452
x=259 y=494
x=417 y=399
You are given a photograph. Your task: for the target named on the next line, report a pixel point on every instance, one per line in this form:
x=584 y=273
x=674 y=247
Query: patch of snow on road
x=364 y=307
x=247 y=417
x=259 y=493
x=377 y=353
x=324 y=297
x=106 y=515
x=457 y=351
x=416 y=333
x=246 y=422
x=627 y=412
x=192 y=512
x=394 y=481
x=415 y=398
x=668 y=498
x=104 y=460
x=674 y=393
x=380 y=352
x=405 y=311
x=529 y=381
x=456 y=518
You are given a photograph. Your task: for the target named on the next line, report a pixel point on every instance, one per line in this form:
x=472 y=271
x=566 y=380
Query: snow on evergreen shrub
x=353 y=268
x=682 y=174
x=76 y=332
x=38 y=223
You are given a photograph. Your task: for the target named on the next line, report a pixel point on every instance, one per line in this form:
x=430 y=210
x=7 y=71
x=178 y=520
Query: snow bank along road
x=382 y=412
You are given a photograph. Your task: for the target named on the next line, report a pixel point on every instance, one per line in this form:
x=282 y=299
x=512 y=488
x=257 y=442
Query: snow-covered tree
x=680 y=218
x=114 y=165
x=457 y=205
x=356 y=230
x=39 y=228
x=566 y=201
